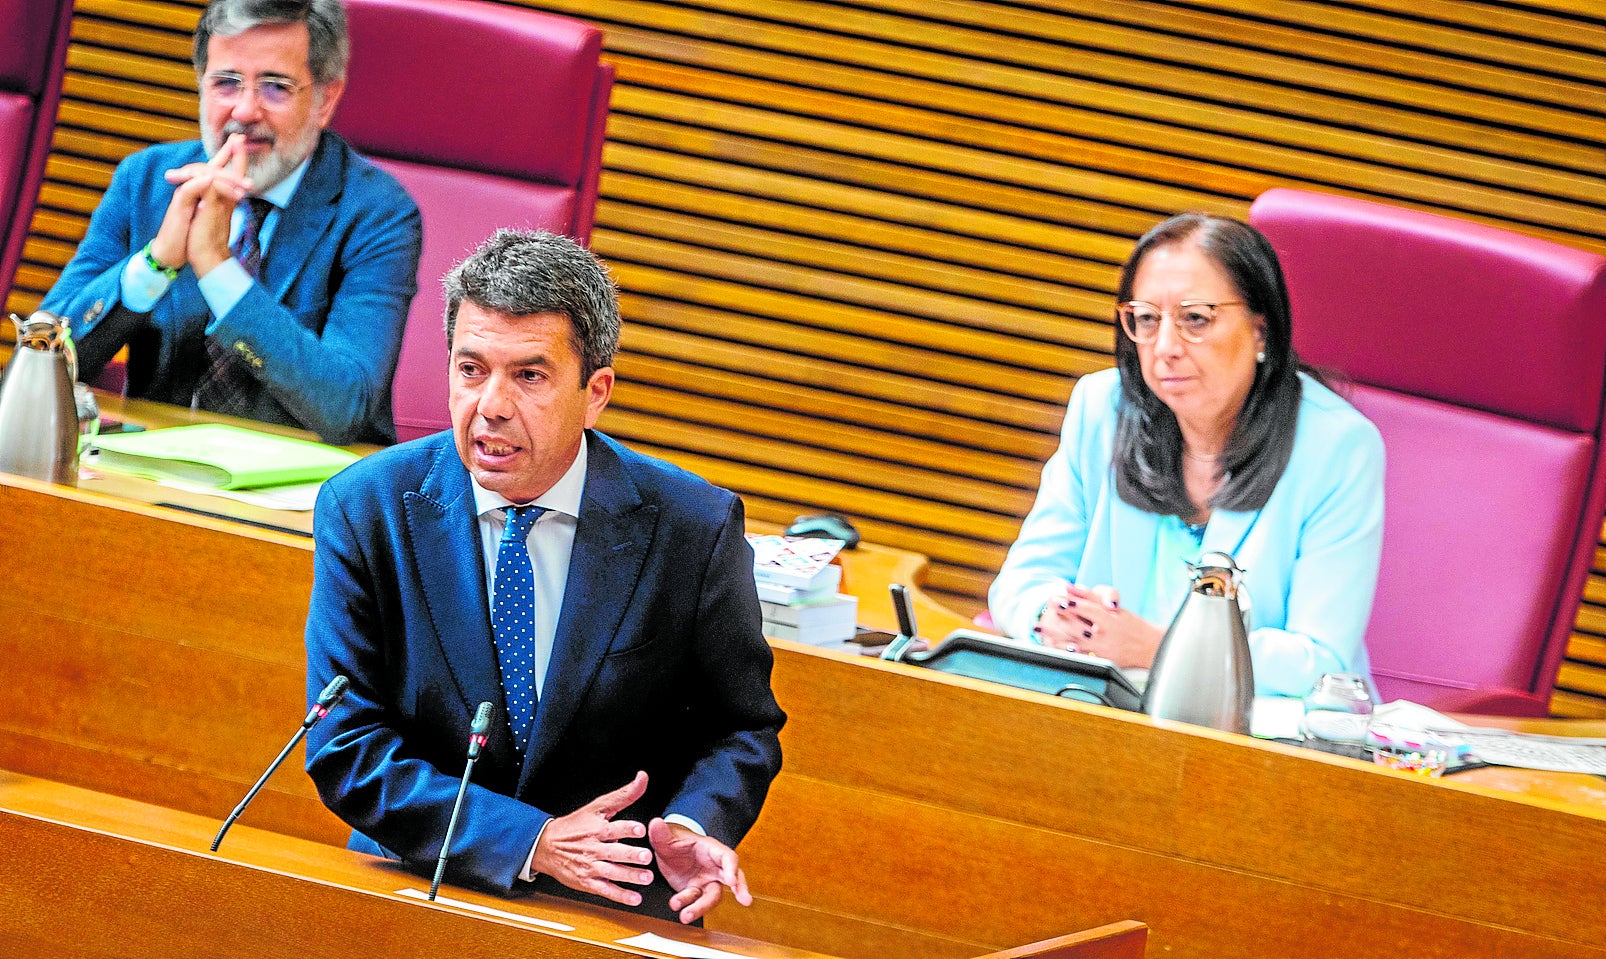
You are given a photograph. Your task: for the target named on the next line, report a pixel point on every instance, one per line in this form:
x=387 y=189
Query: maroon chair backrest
x=1481 y=356
x=491 y=116
x=33 y=58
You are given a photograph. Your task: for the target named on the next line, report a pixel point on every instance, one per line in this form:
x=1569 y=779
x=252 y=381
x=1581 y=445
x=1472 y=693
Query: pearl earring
x=1260 y=357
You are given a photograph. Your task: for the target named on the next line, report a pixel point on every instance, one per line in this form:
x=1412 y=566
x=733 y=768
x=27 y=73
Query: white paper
x=1562 y=754
x=485 y=910
x=1409 y=715
x=1276 y=717
x=675 y=947
x=298 y=497
x=1279 y=717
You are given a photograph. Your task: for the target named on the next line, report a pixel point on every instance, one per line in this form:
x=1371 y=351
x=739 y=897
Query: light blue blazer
x=1310 y=555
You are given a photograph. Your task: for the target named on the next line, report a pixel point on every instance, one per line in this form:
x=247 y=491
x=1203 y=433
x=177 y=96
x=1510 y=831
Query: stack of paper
x=826 y=583
x=797 y=584
x=254 y=467
x=828 y=619
x=222 y=457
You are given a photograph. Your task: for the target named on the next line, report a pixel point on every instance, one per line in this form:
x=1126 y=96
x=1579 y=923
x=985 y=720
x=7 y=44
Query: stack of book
x=797 y=588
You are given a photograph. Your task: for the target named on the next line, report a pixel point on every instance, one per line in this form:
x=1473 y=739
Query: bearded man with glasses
x=265 y=270
x=1209 y=435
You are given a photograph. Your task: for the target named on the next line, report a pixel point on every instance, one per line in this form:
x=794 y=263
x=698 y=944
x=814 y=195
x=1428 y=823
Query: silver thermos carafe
x=38 y=417
x=1202 y=674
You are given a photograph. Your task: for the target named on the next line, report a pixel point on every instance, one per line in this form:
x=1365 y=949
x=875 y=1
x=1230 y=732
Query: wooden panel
x=901 y=220
x=1123 y=817
x=924 y=880
x=1119 y=940
x=134 y=881
x=1581 y=684
x=221 y=663
x=917 y=814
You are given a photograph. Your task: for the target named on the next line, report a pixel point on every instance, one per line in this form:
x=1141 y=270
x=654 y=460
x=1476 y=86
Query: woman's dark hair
x=1148 y=442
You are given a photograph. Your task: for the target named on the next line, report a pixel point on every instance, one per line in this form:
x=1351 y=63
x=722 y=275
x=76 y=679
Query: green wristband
x=156 y=265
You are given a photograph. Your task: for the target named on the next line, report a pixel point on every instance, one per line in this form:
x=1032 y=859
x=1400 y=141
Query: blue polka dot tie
x=513 y=620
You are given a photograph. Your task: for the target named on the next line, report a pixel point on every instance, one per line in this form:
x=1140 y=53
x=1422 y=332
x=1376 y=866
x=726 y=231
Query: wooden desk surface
x=154 y=415
x=917 y=814
x=137 y=880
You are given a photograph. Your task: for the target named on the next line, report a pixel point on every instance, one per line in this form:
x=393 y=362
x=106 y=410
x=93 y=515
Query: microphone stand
x=327 y=699
x=476 y=739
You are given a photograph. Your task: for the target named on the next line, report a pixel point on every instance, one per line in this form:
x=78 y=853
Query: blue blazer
x=323 y=323
x=1311 y=553
x=658 y=663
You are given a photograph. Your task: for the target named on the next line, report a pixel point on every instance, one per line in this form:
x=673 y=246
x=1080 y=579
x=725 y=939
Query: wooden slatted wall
x=867 y=247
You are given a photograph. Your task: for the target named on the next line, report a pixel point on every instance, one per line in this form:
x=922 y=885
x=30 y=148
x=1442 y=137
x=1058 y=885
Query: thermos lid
x=1215 y=574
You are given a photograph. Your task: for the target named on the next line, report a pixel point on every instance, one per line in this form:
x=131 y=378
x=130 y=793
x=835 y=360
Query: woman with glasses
x=1208 y=435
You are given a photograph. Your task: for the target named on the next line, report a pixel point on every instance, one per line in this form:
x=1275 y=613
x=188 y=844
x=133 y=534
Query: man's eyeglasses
x=1194 y=319
x=271 y=91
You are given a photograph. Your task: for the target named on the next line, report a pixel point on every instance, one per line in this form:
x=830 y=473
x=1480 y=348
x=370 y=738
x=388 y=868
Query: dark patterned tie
x=228 y=385
x=513 y=620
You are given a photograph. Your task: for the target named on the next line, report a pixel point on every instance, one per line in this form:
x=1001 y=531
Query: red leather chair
x=490 y=115
x=1481 y=356
x=33 y=58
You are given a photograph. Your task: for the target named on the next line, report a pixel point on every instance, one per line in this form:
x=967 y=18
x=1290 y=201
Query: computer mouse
x=825 y=526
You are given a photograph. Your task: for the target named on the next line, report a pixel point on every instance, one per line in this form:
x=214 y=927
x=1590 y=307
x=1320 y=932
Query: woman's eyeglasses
x=1194 y=319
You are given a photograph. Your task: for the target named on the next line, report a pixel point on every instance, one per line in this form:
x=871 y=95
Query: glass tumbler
x=88 y=416
x=1337 y=709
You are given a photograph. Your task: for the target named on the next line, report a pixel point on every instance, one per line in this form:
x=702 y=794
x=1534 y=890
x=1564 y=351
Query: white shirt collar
x=562 y=497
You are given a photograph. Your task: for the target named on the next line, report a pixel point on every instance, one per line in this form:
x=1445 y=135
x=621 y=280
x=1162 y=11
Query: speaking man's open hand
x=582 y=850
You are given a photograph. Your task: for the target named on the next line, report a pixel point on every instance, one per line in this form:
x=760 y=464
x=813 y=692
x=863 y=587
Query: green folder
x=223 y=457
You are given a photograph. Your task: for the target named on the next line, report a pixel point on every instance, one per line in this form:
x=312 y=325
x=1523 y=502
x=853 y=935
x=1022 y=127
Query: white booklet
x=798 y=562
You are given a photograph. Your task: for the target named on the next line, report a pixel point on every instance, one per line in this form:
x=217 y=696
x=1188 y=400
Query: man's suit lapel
x=610 y=546
x=445 y=539
x=307 y=218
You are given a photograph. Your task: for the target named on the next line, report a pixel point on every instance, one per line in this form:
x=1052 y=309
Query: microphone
x=476 y=739
x=903 y=604
x=327 y=699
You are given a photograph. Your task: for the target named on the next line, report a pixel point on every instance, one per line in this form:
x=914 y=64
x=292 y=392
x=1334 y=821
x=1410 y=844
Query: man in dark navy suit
x=602 y=600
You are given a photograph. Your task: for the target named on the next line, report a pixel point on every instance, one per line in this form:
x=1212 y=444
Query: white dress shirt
x=551 y=542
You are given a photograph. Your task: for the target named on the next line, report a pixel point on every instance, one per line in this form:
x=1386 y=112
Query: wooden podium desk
x=177 y=703
x=87 y=874
x=157 y=656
